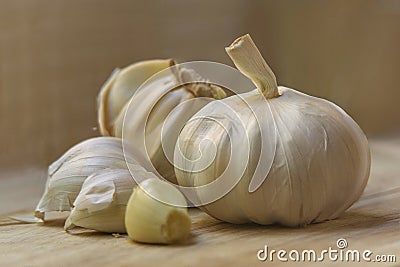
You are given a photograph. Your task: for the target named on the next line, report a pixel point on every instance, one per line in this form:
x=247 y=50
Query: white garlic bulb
x=141 y=120
x=67 y=174
x=297 y=159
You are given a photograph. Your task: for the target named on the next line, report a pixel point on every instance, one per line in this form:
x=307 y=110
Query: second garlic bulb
x=148 y=93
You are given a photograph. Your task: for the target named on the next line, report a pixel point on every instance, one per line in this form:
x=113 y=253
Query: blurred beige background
x=55 y=55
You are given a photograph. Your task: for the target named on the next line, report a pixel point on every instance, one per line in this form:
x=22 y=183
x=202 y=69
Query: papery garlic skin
x=320 y=159
x=101 y=203
x=141 y=121
x=149 y=220
x=121 y=86
x=67 y=174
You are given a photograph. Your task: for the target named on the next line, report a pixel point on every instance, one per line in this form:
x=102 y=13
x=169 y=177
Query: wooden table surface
x=373 y=223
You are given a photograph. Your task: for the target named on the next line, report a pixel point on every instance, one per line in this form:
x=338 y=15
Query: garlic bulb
x=141 y=121
x=121 y=86
x=149 y=219
x=67 y=174
x=289 y=158
x=102 y=201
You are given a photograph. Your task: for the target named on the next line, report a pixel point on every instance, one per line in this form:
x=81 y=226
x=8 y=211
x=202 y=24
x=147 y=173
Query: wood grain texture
x=372 y=223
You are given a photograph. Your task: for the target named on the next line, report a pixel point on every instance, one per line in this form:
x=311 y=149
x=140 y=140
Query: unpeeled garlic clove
x=67 y=174
x=101 y=203
x=149 y=220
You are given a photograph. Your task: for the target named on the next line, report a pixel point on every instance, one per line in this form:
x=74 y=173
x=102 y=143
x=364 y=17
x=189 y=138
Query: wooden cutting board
x=373 y=223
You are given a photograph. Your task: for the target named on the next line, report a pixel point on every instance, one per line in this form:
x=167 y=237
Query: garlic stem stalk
x=248 y=59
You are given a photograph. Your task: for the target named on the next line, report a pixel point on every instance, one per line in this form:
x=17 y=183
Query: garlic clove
x=67 y=174
x=149 y=220
x=121 y=86
x=101 y=203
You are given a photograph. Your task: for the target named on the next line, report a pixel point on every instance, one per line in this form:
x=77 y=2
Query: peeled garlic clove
x=314 y=159
x=101 y=203
x=149 y=220
x=121 y=86
x=142 y=120
x=67 y=174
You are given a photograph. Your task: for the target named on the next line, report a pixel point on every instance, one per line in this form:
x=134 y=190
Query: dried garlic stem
x=248 y=59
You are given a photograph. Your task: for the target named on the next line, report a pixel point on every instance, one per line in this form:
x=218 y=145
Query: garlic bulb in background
x=67 y=174
x=121 y=86
x=303 y=158
x=141 y=121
